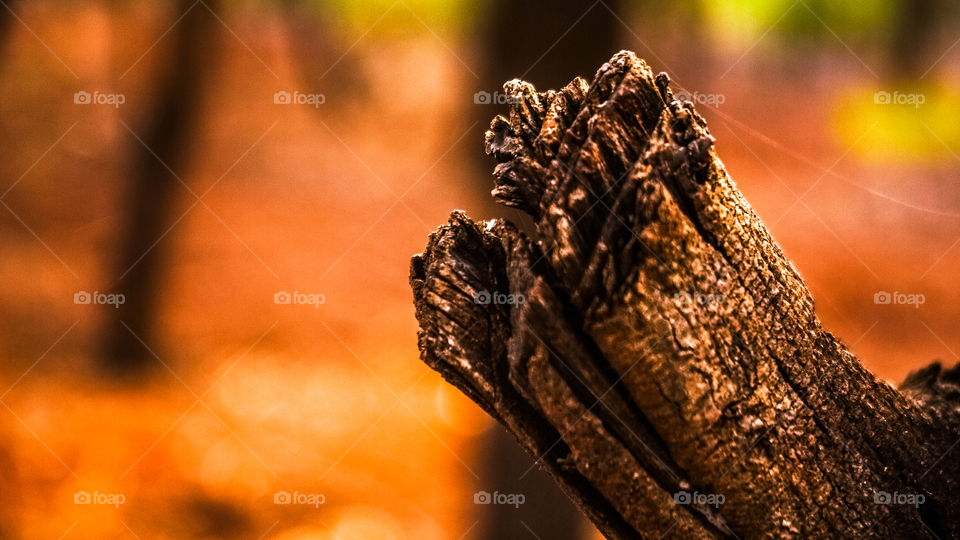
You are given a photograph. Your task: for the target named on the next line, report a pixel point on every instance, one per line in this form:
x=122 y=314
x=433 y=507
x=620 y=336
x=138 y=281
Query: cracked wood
x=665 y=345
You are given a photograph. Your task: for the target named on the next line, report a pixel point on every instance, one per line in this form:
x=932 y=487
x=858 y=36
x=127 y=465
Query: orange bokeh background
x=246 y=398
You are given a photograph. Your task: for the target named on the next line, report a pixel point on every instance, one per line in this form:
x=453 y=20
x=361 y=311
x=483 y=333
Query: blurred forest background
x=147 y=152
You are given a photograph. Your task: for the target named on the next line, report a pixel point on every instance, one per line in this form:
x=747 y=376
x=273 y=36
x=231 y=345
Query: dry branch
x=665 y=349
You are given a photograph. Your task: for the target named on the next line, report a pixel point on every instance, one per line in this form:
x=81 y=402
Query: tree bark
x=652 y=347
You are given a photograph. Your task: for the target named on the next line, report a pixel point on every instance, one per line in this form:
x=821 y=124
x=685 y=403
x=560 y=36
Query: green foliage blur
x=799 y=20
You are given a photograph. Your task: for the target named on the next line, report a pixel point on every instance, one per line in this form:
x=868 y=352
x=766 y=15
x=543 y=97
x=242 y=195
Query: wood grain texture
x=665 y=349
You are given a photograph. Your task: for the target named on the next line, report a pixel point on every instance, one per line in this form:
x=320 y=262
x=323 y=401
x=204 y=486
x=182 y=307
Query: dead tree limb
x=654 y=349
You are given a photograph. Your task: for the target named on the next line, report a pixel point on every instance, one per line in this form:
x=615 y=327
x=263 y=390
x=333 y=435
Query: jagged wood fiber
x=665 y=343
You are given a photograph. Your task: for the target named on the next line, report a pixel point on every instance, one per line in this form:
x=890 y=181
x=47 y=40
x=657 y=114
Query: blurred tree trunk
x=166 y=143
x=653 y=348
x=313 y=44
x=6 y=21
x=914 y=32
x=543 y=43
x=7 y=25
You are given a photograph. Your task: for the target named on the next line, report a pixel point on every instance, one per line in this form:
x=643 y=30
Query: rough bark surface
x=657 y=353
